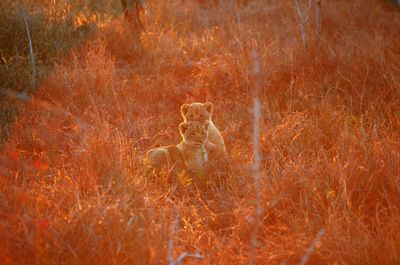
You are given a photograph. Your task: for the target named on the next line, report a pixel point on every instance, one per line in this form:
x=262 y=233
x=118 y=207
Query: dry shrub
x=56 y=27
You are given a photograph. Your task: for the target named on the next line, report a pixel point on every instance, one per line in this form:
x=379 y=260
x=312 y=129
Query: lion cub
x=189 y=155
x=202 y=112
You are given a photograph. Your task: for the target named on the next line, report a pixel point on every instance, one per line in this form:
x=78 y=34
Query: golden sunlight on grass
x=71 y=176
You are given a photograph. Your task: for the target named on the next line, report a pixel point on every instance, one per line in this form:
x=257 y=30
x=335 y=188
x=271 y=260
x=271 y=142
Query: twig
x=302 y=21
x=28 y=33
x=312 y=246
x=23 y=96
x=256 y=150
x=299 y=11
x=171 y=242
x=184 y=255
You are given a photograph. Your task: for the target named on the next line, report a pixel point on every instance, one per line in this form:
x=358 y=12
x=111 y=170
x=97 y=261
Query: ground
x=72 y=185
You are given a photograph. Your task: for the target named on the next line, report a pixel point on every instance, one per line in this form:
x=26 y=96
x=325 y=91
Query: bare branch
x=312 y=246
x=32 y=56
x=256 y=151
x=23 y=96
x=302 y=21
x=184 y=255
x=171 y=242
x=299 y=10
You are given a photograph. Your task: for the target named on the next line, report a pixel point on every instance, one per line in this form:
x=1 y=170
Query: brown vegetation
x=72 y=191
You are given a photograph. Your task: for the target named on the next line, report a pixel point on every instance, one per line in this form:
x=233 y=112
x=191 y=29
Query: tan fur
x=191 y=151
x=202 y=112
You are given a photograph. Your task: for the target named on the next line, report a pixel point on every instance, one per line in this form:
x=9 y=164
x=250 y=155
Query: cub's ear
x=184 y=109
x=183 y=127
x=208 y=106
x=206 y=124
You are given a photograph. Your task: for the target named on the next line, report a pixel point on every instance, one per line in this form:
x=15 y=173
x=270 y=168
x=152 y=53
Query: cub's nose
x=199 y=137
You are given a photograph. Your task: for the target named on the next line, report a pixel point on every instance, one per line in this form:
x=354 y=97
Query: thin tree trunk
x=319 y=17
x=132 y=11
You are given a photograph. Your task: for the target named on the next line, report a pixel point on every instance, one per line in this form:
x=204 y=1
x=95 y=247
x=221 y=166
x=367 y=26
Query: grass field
x=72 y=188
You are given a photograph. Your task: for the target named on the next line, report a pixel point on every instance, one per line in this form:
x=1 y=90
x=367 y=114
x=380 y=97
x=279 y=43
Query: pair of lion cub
x=200 y=141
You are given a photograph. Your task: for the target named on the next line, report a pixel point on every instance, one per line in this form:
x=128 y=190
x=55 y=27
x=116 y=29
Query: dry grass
x=56 y=27
x=72 y=191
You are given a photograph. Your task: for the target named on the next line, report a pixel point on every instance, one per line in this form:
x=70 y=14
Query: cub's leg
x=158 y=159
x=216 y=152
x=215 y=137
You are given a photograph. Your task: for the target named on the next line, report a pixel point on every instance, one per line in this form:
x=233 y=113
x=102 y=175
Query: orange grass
x=72 y=191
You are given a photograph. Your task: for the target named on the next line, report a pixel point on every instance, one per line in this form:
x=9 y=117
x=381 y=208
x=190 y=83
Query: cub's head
x=194 y=133
x=197 y=112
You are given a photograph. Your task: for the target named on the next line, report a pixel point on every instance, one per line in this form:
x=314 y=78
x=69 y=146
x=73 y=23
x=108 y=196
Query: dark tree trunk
x=132 y=11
